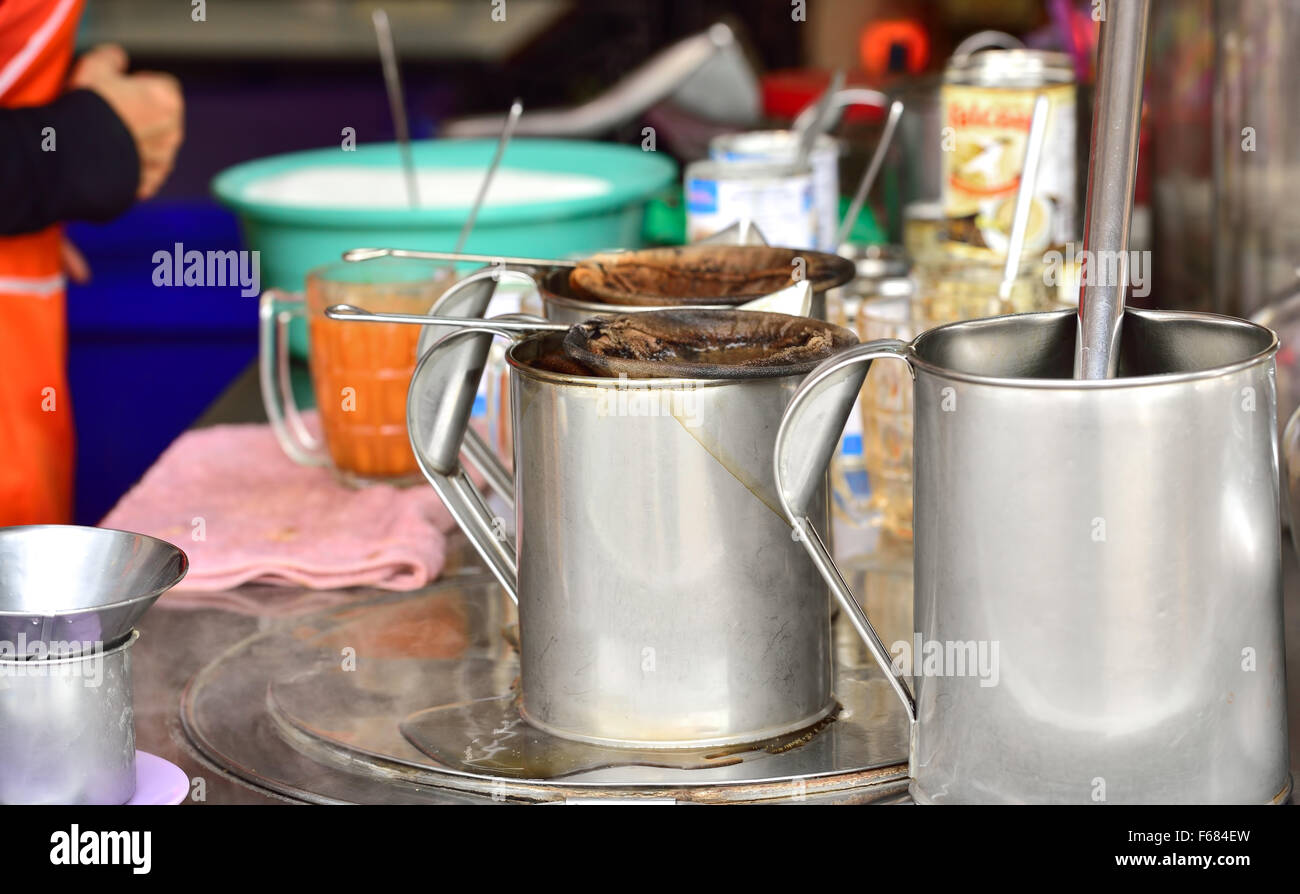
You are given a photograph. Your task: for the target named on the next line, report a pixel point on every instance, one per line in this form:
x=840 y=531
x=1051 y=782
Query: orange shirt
x=36 y=431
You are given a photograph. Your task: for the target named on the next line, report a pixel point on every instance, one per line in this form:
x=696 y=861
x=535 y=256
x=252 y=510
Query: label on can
x=780 y=206
x=984 y=137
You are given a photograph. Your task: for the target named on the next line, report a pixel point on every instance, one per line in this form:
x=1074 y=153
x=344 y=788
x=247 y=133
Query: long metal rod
x=370 y=254
x=350 y=312
x=1025 y=196
x=1112 y=173
x=396 y=102
x=516 y=109
x=873 y=169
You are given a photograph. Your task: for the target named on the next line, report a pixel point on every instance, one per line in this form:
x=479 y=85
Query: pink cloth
x=244 y=512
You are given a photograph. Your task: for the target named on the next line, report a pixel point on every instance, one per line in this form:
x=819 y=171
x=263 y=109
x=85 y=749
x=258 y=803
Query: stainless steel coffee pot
x=1097 y=563
x=663 y=601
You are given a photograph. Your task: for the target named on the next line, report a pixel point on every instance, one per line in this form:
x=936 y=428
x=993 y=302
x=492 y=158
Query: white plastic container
x=777 y=198
x=782 y=147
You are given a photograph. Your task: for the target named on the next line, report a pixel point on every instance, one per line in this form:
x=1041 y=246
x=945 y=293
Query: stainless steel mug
x=1097 y=563
x=67 y=728
x=663 y=602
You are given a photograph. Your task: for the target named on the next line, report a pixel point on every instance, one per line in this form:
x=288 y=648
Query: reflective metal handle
x=809 y=433
x=438 y=408
x=470 y=297
x=276 y=309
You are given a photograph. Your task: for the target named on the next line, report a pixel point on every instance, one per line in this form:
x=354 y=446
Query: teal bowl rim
x=636 y=175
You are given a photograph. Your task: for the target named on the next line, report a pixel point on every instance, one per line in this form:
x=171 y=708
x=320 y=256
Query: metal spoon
x=873 y=169
x=396 y=103
x=516 y=109
x=1024 y=198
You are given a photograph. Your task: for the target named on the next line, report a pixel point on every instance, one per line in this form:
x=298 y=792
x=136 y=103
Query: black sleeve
x=84 y=168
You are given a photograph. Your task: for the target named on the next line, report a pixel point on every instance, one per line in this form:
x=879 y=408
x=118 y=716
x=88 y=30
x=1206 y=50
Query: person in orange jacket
x=79 y=147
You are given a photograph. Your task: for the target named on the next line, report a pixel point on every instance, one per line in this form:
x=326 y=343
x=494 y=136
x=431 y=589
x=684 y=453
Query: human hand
x=75 y=266
x=149 y=103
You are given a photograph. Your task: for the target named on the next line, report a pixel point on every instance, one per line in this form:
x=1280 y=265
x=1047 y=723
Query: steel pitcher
x=1097 y=563
x=663 y=601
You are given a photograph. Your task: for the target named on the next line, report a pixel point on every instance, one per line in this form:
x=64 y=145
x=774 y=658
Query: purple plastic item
x=158 y=781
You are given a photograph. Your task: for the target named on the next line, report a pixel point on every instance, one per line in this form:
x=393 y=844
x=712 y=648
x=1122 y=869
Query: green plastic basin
x=294 y=239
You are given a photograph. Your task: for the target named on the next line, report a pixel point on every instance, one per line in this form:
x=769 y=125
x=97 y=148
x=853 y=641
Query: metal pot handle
x=276 y=309
x=438 y=408
x=470 y=297
x=805 y=442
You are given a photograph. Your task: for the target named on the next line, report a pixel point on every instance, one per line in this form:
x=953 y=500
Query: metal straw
x=516 y=109
x=396 y=104
x=1024 y=197
x=868 y=178
x=1112 y=172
